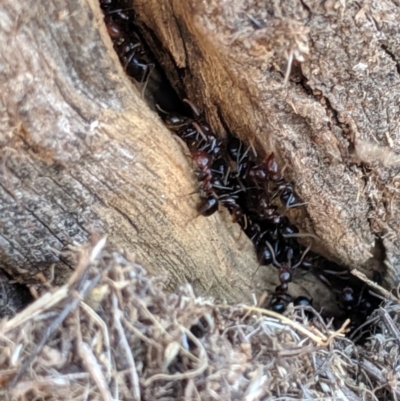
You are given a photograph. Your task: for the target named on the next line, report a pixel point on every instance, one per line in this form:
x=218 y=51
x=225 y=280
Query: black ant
x=240 y=155
x=279 y=304
x=126 y=42
x=209 y=192
x=352 y=294
x=285 y=276
x=251 y=206
x=266 y=171
x=232 y=176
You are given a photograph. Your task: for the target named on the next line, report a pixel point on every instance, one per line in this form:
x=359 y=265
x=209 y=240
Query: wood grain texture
x=334 y=124
x=82 y=154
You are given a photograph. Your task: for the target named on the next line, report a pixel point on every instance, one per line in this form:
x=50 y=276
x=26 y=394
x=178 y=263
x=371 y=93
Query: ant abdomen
x=209 y=206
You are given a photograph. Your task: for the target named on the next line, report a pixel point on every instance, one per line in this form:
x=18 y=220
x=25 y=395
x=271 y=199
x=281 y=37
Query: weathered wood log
x=81 y=154
x=317 y=83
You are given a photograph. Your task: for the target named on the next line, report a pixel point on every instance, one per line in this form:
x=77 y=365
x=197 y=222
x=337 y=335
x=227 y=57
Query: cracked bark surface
x=335 y=124
x=81 y=154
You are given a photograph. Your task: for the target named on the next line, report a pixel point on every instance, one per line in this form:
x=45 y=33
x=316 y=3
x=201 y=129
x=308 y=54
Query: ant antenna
x=158 y=107
x=300 y=235
x=199 y=130
x=193 y=107
x=252 y=278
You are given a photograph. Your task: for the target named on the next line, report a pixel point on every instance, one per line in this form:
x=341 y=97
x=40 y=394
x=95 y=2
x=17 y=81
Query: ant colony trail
x=252 y=188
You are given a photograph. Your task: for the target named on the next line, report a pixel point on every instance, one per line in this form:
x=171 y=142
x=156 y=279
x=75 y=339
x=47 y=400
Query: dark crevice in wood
x=332 y=112
x=379 y=253
x=385 y=48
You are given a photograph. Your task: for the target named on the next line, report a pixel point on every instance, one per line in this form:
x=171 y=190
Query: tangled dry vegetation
x=113 y=333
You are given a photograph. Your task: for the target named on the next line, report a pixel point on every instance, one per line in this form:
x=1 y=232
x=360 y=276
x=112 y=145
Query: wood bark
x=82 y=154
x=316 y=82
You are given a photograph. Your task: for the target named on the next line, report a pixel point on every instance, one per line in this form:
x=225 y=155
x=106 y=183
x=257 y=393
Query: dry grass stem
x=387 y=294
x=114 y=333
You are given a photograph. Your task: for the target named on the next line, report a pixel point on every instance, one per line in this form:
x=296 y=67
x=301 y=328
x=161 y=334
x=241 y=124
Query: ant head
x=302 y=301
x=209 y=206
x=347 y=295
x=202 y=159
x=175 y=121
x=271 y=163
x=278 y=305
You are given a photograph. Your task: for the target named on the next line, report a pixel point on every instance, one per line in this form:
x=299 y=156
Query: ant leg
x=302 y=257
x=245 y=222
x=237 y=192
x=252 y=277
x=342 y=273
x=253 y=148
x=209 y=145
x=269 y=246
x=245 y=154
x=132 y=53
x=222 y=187
x=146 y=75
x=109 y=12
x=244 y=189
x=238 y=153
x=300 y=235
x=295 y=205
x=225 y=180
x=241 y=159
x=324 y=280
x=199 y=130
x=189 y=194
x=128 y=60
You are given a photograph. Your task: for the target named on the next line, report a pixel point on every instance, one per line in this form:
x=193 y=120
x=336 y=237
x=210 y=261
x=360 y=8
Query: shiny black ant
x=244 y=189
x=285 y=276
x=352 y=294
x=195 y=131
x=266 y=171
x=239 y=154
x=210 y=191
x=119 y=22
x=232 y=176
